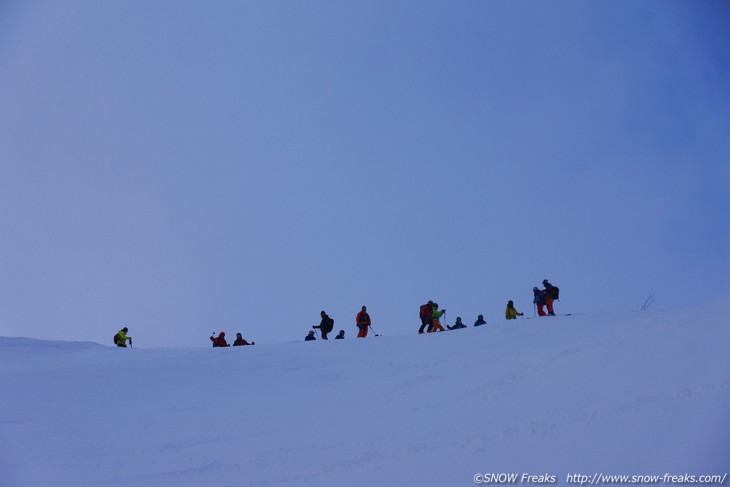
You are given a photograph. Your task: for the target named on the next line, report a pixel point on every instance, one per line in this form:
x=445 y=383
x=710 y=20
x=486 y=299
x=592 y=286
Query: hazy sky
x=183 y=167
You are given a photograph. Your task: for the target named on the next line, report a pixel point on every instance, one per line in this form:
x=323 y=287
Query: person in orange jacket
x=363 y=322
x=220 y=340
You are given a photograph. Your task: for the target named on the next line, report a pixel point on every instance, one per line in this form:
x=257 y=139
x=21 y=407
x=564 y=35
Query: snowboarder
x=340 y=335
x=363 y=322
x=426 y=317
x=457 y=325
x=551 y=294
x=220 y=340
x=436 y=314
x=511 y=313
x=310 y=336
x=480 y=321
x=325 y=326
x=120 y=339
x=240 y=341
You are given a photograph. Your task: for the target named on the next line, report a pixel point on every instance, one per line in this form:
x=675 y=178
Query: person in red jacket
x=363 y=322
x=240 y=341
x=220 y=340
x=426 y=315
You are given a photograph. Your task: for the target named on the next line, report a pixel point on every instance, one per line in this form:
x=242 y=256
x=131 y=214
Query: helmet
x=535 y=288
x=222 y=333
x=545 y=281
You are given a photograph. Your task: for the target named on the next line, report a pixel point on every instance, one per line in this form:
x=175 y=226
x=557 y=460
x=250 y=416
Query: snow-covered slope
x=635 y=394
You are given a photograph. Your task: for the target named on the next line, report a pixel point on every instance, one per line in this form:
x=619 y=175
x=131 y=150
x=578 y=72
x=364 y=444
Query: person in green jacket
x=436 y=314
x=121 y=338
x=511 y=313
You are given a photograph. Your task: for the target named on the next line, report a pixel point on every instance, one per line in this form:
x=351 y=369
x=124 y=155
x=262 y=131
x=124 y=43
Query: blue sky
x=185 y=167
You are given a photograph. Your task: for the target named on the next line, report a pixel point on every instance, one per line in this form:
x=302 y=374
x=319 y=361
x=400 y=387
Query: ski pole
x=371 y=329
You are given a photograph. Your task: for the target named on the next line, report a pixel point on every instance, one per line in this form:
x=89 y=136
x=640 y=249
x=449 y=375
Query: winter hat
x=222 y=333
x=510 y=303
x=125 y=330
x=535 y=289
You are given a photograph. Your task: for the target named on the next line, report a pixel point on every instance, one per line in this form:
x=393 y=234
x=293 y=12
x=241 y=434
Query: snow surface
x=634 y=394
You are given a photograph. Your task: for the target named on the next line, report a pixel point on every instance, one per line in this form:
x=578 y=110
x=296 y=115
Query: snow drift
x=634 y=394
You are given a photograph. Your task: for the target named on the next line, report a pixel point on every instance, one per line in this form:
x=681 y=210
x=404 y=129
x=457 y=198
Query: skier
x=220 y=340
x=457 y=325
x=511 y=313
x=551 y=294
x=340 y=335
x=480 y=321
x=425 y=314
x=121 y=338
x=325 y=326
x=240 y=341
x=363 y=322
x=310 y=336
x=436 y=314
x=539 y=300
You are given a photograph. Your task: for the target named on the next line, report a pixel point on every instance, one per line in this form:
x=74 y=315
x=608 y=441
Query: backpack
x=555 y=292
x=116 y=338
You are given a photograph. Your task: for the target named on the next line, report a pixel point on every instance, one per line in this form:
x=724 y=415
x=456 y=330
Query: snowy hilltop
x=545 y=400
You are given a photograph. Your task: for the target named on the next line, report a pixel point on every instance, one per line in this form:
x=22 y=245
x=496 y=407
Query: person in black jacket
x=326 y=325
x=310 y=336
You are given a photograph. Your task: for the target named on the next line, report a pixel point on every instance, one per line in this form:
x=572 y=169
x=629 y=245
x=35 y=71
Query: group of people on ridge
x=430 y=315
x=362 y=320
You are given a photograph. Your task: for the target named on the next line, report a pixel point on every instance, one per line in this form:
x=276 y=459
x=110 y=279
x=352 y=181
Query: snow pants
x=436 y=326
x=363 y=331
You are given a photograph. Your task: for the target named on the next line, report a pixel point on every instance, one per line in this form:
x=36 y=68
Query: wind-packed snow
x=633 y=394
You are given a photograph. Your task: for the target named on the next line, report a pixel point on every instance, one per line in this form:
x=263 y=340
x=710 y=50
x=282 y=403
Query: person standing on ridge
x=425 y=314
x=326 y=325
x=363 y=322
x=121 y=338
x=551 y=294
x=510 y=312
x=436 y=315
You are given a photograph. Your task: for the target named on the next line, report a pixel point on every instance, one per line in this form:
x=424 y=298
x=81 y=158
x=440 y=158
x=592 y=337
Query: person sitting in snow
x=457 y=325
x=240 y=341
x=220 y=340
x=511 y=313
x=480 y=321
x=121 y=338
x=310 y=336
x=340 y=335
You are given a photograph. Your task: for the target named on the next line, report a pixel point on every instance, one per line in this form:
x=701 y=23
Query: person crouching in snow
x=539 y=300
x=310 y=336
x=340 y=335
x=457 y=325
x=480 y=321
x=510 y=312
x=220 y=340
x=121 y=338
x=240 y=341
